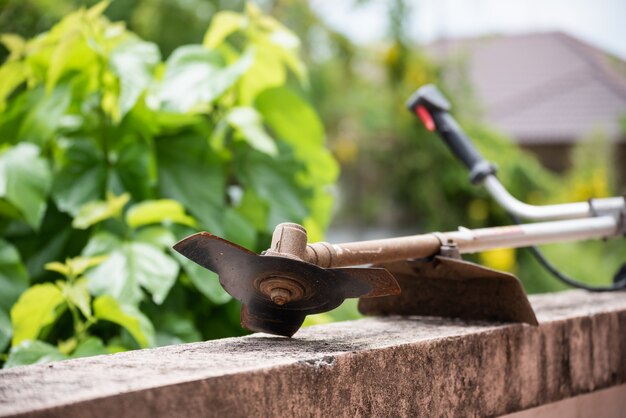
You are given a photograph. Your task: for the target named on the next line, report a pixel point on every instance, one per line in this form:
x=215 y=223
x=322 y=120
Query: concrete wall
x=413 y=366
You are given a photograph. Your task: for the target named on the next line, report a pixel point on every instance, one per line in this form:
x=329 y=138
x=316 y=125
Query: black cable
x=619 y=280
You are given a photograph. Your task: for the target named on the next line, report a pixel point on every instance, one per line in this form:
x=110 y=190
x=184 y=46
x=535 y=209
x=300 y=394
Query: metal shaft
x=604 y=206
x=471 y=241
x=290 y=240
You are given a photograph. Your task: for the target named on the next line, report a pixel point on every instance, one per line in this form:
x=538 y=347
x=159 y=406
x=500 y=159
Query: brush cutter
x=413 y=275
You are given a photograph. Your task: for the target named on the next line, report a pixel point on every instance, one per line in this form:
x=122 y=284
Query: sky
x=601 y=23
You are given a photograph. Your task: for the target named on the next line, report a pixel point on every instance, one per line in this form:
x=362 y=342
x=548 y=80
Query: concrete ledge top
x=362 y=367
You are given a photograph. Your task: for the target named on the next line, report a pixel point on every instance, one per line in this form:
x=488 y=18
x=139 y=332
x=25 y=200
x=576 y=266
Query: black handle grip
x=433 y=108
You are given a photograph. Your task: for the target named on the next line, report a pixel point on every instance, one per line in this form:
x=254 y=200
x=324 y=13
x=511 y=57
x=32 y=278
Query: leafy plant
x=109 y=155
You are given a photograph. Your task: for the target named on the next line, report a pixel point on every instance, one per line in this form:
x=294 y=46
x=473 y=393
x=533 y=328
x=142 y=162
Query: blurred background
x=540 y=86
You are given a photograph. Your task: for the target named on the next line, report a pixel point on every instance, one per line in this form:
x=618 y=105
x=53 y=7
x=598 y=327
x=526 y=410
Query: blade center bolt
x=281 y=290
x=280 y=296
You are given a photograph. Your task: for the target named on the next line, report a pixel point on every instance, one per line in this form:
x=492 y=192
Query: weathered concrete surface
x=603 y=403
x=371 y=367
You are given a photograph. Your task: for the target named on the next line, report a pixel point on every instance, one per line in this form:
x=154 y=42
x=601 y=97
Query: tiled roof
x=542 y=88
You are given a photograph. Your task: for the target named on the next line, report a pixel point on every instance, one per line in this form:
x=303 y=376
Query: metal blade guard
x=453 y=288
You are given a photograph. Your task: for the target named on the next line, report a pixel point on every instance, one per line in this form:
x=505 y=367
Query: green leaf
x=317 y=319
x=293 y=119
x=35 y=309
x=158 y=211
x=274 y=183
x=175 y=328
x=94 y=212
x=52 y=242
x=195 y=77
x=24 y=181
x=274 y=39
x=254 y=209
x=81 y=177
x=156 y=235
x=67 y=346
x=154 y=270
x=115 y=347
x=205 y=280
x=78 y=295
x=74 y=45
x=92 y=346
x=247 y=122
x=12 y=74
x=114 y=277
x=321 y=210
x=32 y=352
x=13 y=276
x=137 y=324
x=5 y=330
x=79 y=265
x=12 y=117
x=14 y=43
x=102 y=242
x=134 y=170
x=239 y=230
x=267 y=71
x=224 y=23
x=131 y=266
x=95 y=11
x=45 y=111
x=70 y=53
x=133 y=62
x=290 y=55
x=59 y=268
x=74 y=267
x=190 y=174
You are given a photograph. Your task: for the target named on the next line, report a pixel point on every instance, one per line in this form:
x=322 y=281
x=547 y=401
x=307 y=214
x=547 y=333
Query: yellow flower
x=478 y=210
x=499 y=259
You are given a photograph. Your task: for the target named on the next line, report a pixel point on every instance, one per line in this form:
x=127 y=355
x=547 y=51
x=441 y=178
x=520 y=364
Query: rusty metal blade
x=210 y=251
x=381 y=282
x=272 y=321
x=247 y=276
x=448 y=287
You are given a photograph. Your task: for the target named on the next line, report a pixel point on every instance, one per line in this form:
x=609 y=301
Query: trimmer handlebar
x=433 y=109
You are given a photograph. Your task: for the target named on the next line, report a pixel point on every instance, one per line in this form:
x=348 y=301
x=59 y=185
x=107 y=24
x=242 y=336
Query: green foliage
x=24 y=183
x=108 y=155
x=138 y=325
x=37 y=308
x=33 y=352
x=158 y=211
x=13 y=276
